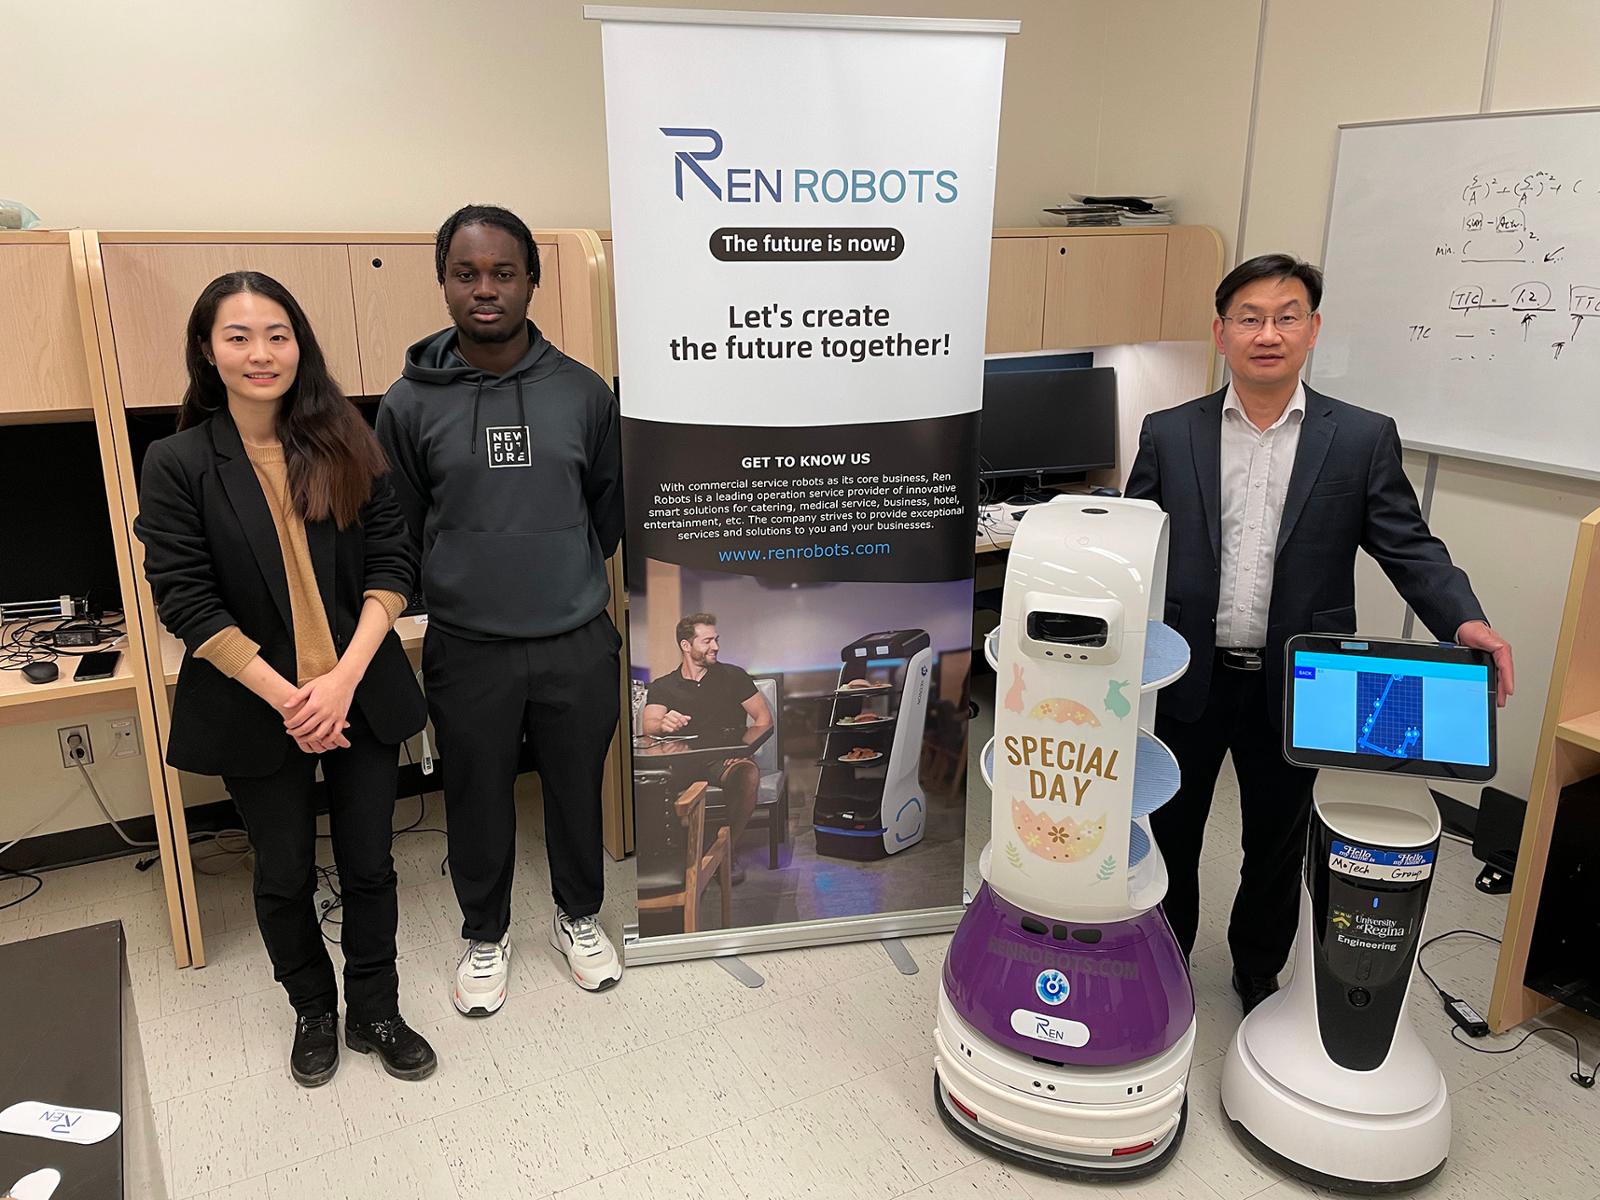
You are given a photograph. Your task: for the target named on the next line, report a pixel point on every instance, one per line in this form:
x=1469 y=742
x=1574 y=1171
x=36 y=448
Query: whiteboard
x=1462 y=295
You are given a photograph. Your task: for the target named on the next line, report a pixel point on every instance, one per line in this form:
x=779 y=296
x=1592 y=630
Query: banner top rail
x=790 y=20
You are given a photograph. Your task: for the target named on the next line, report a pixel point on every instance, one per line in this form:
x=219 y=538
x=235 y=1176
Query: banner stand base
x=900 y=956
x=637 y=951
x=740 y=970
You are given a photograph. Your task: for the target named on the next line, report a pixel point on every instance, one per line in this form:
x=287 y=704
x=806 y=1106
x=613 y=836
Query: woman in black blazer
x=278 y=554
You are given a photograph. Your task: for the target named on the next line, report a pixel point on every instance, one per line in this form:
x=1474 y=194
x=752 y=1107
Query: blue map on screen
x=1391 y=708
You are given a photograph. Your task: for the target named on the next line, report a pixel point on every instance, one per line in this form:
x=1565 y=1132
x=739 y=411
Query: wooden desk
x=991 y=543
x=23 y=703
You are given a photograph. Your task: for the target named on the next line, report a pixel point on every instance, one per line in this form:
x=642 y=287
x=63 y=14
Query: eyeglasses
x=1251 y=323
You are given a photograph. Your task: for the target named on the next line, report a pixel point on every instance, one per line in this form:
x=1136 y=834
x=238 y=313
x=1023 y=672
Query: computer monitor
x=1365 y=704
x=1048 y=422
x=55 y=538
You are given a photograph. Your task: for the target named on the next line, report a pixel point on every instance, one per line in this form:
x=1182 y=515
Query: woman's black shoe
x=405 y=1053
x=315 y=1056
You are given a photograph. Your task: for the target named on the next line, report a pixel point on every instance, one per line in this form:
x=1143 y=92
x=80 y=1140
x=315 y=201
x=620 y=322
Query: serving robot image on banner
x=870 y=802
x=1066 y=1017
x=1326 y=1079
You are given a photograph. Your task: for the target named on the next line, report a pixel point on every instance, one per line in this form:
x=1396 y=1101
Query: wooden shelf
x=171 y=657
x=1569 y=753
x=1581 y=731
x=21 y=701
x=411 y=630
x=16 y=692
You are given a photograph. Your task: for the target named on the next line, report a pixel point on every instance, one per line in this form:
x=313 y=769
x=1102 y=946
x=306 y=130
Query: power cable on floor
x=1468 y=1021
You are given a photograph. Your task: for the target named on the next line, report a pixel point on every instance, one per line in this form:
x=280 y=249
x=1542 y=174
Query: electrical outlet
x=325 y=897
x=75 y=746
x=124 y=738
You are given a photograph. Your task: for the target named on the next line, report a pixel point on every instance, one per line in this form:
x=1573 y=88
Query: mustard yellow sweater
x=229 y=650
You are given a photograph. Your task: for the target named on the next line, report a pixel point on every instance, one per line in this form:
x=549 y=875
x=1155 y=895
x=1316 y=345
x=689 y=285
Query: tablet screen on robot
x=1363 y=704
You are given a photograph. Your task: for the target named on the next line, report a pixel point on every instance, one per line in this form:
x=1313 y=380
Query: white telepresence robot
x=1326 y=1079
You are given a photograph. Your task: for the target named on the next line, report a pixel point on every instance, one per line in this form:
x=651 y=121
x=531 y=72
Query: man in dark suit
x=1271 y=488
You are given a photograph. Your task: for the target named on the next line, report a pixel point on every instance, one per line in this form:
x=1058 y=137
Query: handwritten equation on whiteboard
x=1515 y=292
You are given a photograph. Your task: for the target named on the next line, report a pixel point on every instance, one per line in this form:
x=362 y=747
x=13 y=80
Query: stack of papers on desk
x=1110 y=210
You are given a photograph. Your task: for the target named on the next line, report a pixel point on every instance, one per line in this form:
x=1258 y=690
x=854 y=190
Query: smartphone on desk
x=100 y=664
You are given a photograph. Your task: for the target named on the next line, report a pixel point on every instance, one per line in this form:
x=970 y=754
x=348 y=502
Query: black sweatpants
x=484 y=696
x=1244 y=714
x=280 y=814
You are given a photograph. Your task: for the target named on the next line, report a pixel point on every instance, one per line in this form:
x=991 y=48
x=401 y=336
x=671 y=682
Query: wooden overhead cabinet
x=398 y=301
x=152 y=285
x=42 y=366
x=1073 y=289
x=1016 y=295
x=1104 y=291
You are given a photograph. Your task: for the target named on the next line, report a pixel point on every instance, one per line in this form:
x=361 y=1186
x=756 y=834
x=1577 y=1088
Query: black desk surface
x=61 y=1043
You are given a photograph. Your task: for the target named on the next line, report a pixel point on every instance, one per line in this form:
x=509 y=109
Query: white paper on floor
x=85 y=1126
x=36 y=1185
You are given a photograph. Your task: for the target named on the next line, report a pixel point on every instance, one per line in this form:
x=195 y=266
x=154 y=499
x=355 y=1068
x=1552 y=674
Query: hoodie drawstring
x=472 y=443
x=522 y=407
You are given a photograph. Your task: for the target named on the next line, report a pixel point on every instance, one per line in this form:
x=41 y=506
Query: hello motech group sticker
x=1390 y=866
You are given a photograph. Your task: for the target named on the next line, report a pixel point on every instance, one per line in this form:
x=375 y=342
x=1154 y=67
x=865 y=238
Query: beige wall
x=36 y=784
x=1177 y=114
x=363 y=115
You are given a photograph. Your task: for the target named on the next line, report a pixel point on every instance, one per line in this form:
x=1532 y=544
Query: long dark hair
x=331 y=455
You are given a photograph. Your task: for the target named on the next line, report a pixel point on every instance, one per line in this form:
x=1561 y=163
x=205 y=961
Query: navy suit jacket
x=1347 y=490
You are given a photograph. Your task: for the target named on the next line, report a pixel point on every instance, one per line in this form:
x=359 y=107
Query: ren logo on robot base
x=1076 y=763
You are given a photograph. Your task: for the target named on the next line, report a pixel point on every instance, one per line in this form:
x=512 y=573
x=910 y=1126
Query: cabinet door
x=1194 y=268
x=1104 y=290
x=152 y=287
x=398 y=301
x=41 y=341
x=1016 y=294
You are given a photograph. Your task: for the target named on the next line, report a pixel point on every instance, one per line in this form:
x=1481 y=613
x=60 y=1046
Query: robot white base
x=1395 y=1153
x=1087 y=1168
x=1084 y=1130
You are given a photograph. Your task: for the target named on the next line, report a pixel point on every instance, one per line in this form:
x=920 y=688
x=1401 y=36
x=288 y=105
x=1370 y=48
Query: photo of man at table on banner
x=801 y=221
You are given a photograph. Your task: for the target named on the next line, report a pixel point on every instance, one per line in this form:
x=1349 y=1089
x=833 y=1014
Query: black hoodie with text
x=512 y=486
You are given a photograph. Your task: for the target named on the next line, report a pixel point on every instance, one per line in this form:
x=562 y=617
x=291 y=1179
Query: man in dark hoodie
x=507 y=460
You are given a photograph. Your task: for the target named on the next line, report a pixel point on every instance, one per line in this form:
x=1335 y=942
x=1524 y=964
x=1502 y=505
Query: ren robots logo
x=697 y=169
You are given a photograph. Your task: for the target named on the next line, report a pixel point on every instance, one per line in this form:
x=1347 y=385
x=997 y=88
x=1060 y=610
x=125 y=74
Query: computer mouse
x=41 y=672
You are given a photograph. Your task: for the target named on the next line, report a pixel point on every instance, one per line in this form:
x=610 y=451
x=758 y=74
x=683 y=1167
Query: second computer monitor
x=1050 y=422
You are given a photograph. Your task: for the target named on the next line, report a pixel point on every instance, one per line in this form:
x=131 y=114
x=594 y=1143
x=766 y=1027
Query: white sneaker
x=590 y=954
x=481 y=977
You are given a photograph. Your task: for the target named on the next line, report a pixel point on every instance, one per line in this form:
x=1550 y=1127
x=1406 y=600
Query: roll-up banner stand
x=801 y=210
